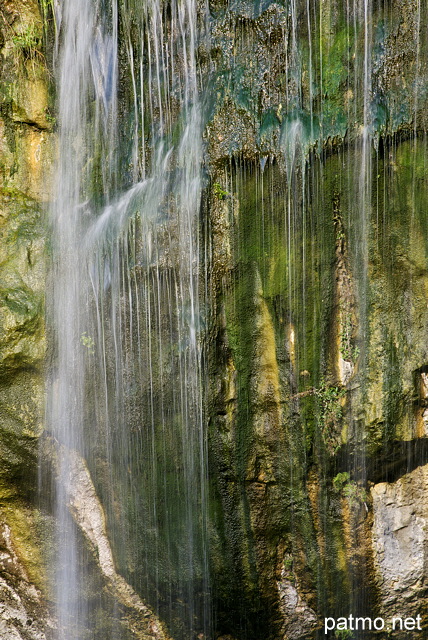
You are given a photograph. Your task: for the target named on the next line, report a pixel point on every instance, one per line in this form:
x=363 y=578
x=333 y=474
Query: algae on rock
x=26 y=152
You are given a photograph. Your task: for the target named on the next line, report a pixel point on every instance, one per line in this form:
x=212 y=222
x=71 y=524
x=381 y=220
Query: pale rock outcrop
x=21 y=604
x=400 y=542
x=88 y=514
x=299 y=618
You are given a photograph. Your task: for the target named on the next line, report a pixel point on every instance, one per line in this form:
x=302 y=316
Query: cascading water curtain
x=125 y=392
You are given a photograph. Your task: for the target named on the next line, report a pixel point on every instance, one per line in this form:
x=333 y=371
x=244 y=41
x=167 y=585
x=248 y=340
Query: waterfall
x=66 y=387
x=126 y=383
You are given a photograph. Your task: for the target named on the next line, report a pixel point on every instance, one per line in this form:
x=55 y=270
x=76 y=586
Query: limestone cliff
x=321 y=212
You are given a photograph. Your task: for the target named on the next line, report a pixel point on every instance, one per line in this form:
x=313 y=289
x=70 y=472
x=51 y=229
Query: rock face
x=293 y=440
x=25 y=151
x=316 y=350
x=88 y=514
x=400 y=543
x=25 y=154
x=319 y=314
x=23 y=613
x=299 y=619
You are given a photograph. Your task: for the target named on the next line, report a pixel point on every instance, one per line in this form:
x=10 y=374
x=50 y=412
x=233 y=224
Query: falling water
x=359 y=247
x=66 y=399
x=125 y=391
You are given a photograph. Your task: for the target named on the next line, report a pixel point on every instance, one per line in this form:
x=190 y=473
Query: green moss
x=21 y=283
x=286 y=257
x=22 y=221
x=28 y=40
x=30 y=539
x=330 y=414
x=20 y=301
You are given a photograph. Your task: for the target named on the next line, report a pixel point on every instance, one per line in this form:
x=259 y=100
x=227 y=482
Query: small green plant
x=28 y=42
x=88 y=342
x=27 y=46
x=340 y=480
x=219 y=192
x=50 y=118
x=330 y=397
x=352 y=491
x=330 y=414
x=348 y=351
x=343 y=634
x=355 y=493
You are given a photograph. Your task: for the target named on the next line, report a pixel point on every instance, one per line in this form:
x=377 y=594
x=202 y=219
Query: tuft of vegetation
x=219 y=192
x=352 y=491
x=330 y=414
x=343 y=634
x=50 y=118
x=28 y=42
x=340 y=481
x=349 y=351
x=88 y=342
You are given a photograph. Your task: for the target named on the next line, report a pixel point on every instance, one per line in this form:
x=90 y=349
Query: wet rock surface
x=88 y=514
x=25 y=155
x=23 y=612
x=281 y=405
x=299 y=618
x=400 y=542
